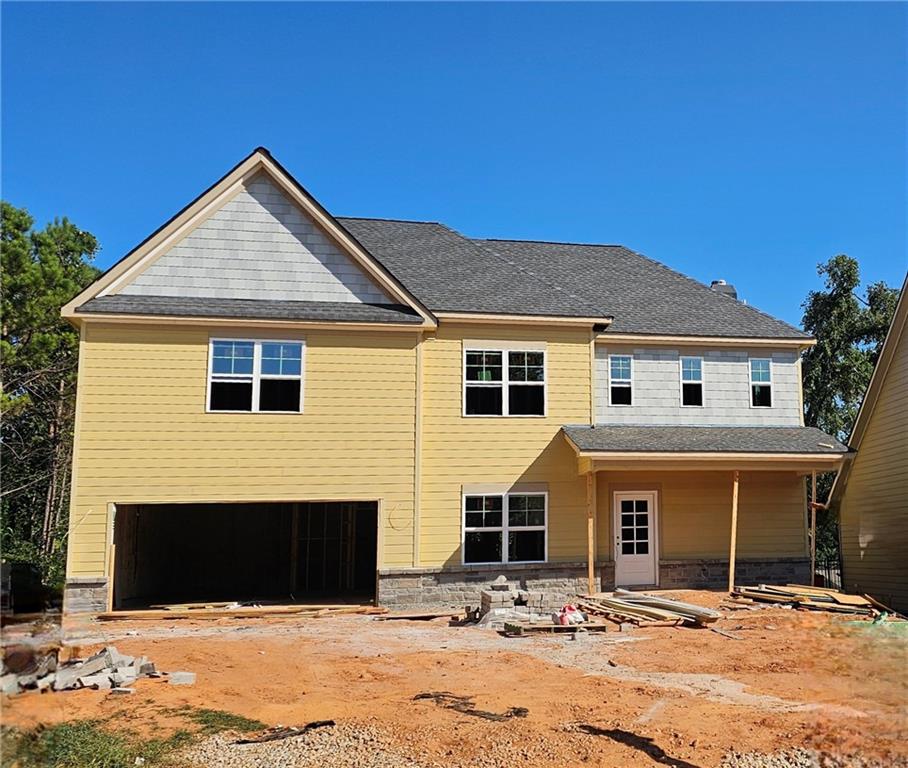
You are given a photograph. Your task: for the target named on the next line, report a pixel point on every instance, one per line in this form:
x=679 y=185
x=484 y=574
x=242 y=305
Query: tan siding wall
x=458 y=450
x=145 y=436
x=874 y=506
x=695 y=513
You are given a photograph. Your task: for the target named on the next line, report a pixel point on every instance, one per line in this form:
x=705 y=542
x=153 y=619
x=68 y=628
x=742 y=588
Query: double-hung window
x=621 y=384
x=761 y=383
x=692 y=381
x=504 y=382
x=248 y=375
x=504 y=528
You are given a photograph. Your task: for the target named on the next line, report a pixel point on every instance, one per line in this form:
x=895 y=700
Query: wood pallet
x=512 y=629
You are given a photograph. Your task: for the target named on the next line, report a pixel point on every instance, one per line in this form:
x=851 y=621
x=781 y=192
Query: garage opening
x=264 y=553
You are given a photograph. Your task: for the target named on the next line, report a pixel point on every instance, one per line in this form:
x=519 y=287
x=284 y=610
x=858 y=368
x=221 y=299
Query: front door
x=635 y=538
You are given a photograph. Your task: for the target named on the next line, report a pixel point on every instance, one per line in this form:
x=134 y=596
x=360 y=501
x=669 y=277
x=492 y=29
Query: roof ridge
x=398 y=221
x=546 y=242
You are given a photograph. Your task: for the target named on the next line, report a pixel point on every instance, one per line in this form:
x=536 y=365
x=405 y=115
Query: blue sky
x=743 y=141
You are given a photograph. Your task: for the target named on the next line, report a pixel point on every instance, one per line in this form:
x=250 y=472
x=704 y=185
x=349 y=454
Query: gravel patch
x=788 y=758
x=339 y=746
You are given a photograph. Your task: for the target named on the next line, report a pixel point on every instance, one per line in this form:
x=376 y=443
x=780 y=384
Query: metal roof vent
x=720 y=286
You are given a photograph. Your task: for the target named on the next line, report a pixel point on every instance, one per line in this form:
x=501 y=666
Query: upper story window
x=248 y=375
x=504 y=382
x=504 y=528
x=692 y=381
x=620 y=391
x=761 y=383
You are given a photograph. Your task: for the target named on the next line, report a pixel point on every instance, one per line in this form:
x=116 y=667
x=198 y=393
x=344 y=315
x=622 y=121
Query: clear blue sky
x=744 y=141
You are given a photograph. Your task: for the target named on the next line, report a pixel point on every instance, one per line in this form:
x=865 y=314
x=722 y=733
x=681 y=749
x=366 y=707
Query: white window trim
x=505 y=382
x=682 y=382
x=629 y=382
x=751 y=383
x=504 y=528
x=256 y=375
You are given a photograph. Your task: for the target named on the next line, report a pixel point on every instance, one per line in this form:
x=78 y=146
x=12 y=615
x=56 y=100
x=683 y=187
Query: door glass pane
x=642 y=519
x=627 y=520
x=627 y=548
x=641 y=505
x=627 y=534
x=627 y=505
x=642 y=548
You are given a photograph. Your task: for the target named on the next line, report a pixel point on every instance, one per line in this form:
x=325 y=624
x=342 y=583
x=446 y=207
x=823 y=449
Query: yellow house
x=871 y=493
x=277 y=403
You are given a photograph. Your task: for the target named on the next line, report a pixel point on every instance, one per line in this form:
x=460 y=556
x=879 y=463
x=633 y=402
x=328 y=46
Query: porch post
x=813 y=525
x=591 y=531
x=734 y=533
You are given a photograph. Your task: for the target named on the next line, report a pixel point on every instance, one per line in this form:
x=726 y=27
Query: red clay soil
x=675 y=696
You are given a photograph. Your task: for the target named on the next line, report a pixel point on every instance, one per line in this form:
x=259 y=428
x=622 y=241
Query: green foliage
x=850 y=330
x=42 y=270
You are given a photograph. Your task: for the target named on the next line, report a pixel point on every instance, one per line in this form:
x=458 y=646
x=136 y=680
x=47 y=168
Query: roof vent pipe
x=720 y=286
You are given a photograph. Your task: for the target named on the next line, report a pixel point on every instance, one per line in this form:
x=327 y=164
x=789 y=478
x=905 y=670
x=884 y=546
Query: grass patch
x=216 y=720
x=92 y=743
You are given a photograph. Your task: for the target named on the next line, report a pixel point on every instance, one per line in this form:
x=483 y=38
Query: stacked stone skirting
x=457 y=587
x=85 y=594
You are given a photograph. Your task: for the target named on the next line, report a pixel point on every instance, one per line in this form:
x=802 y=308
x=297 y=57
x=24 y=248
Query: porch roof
x=803 y=449
x=676 y=439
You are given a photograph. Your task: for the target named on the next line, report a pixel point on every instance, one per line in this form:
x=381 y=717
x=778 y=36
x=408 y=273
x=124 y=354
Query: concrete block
x=123 y=677
x=121 y=691
x=99 y=682
x=9 y=684
x=148 y=668
x=182 y=678
x=44 y=683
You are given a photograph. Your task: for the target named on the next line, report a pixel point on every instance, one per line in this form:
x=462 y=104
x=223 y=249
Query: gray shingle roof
x=631 y=439
x=255 y=309
x=643 y=295
x=450 y=273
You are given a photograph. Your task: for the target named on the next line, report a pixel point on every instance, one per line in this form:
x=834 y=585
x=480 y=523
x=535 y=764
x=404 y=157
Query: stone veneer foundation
x=461 y=586
x=85 y=594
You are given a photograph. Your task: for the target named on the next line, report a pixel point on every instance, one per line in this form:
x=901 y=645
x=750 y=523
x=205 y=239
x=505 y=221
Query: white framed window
x=621 y=380
x=255 y=375
x=505 y=528
x=504 y=382
x=760 y=382
x=691 y=382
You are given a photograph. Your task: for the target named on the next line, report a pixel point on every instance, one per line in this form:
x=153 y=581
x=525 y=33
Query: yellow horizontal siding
x=695 y=513
x=458 y=450
x=874 y=505
x=144 y=435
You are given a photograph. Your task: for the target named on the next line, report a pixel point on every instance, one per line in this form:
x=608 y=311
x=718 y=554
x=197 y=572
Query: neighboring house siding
x=726 y=388
x=458 y=450
x=874 y=505
x=259 y=245
x=695 y=513
x=144 y=435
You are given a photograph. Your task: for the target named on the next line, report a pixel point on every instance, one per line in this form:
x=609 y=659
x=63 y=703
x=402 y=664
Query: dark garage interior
x=262 y=552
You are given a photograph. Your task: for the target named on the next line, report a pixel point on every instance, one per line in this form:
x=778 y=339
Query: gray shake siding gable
x=259 y=245
x=726 y=388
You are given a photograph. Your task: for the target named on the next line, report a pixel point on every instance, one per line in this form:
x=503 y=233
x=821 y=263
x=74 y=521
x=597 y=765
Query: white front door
x=635 y=537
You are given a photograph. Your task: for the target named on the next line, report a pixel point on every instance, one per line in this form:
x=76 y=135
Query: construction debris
x=106 y=670
x=810 y=598
x=281 y=732
x=465 y=705
x=645 y=610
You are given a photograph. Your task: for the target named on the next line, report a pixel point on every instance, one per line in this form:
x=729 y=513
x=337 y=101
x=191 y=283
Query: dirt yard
x=832 y=685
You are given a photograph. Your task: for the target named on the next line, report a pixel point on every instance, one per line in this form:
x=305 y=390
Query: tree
x=42 y=270
x=850 y=330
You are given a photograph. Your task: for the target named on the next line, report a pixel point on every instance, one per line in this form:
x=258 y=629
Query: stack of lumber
x=315 y=611
x=645 y=610
x=811 y=598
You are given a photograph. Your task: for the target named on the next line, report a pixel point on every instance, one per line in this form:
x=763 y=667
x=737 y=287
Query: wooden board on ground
x=421 y=616
x=241 y=613
x=514 y=629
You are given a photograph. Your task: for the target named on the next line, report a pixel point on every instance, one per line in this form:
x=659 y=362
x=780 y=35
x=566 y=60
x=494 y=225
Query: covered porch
x=699 y=506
